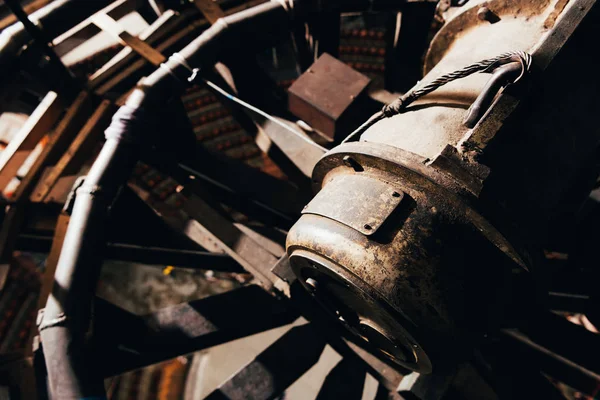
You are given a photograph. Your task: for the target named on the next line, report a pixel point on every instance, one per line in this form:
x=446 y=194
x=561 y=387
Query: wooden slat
x=166 y=23
x=38 y=124
x=78 y=151
x=87 y=29
x=15 y=216
x=210 y=9
x=67 y=128
x=110 y=26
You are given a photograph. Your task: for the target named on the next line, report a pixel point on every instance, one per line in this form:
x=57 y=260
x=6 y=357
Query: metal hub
x=359 y=309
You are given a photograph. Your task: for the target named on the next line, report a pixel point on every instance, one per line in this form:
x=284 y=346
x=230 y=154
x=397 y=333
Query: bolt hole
x=368 y=227
x=396 y=194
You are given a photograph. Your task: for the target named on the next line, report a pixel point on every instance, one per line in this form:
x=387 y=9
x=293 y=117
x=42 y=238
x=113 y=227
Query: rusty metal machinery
x=416 y=224
x=420 y=233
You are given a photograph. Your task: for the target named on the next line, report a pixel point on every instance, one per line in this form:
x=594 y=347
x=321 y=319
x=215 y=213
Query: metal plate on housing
x=360 y=202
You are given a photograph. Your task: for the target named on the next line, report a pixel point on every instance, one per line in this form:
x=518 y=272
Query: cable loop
x=488 y=65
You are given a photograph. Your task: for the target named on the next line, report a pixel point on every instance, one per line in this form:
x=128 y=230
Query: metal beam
x=179 y=258
x=184 y=328
x=276 y=368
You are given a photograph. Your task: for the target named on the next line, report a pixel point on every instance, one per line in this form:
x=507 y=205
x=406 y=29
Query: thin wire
x=261 y=113
x=400 y=104
x=378 y=116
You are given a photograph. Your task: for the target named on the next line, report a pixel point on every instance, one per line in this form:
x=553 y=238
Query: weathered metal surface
x=406 y=286
x=436 y=120
x=404 y=289
x=324 y=94
x=400 y=167
x=241 y=247
x=356 y=201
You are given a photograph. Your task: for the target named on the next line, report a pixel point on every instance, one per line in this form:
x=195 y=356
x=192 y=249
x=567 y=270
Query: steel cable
x=401 y=103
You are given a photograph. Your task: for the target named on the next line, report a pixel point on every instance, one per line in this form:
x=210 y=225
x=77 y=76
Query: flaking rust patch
x=558 y=8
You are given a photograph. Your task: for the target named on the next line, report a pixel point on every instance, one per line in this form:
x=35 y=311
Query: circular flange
x=360 y=309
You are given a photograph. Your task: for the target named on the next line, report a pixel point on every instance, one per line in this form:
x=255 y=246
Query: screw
x=485 y=14
x=312 y=284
